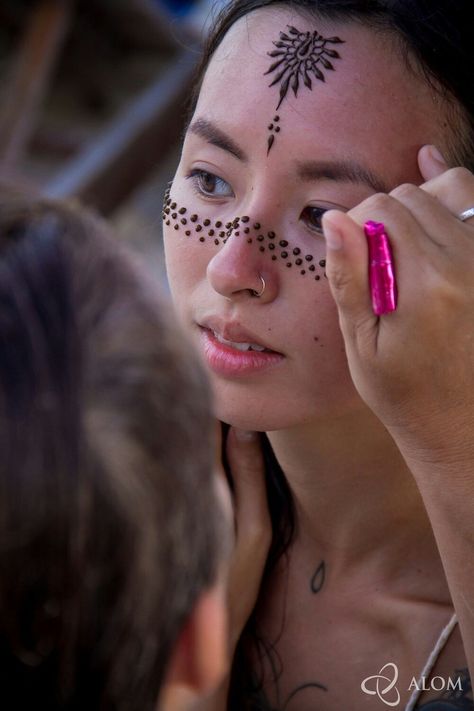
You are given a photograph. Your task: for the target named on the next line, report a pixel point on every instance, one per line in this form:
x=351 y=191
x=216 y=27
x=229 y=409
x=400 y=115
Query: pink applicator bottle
x=383 y=287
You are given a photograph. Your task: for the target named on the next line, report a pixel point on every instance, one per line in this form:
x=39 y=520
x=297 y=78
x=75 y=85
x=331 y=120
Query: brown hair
x=107 y=504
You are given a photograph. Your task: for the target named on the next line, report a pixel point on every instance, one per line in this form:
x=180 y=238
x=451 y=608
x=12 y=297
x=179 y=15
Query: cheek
x=316 y=329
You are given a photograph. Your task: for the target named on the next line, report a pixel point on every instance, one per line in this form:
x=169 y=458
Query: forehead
x=370 y=102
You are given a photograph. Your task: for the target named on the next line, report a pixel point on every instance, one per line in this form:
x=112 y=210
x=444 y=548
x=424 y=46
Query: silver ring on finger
x=467 y=214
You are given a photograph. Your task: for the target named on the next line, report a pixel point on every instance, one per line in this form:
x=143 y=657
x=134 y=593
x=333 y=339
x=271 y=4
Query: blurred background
x=93 y=99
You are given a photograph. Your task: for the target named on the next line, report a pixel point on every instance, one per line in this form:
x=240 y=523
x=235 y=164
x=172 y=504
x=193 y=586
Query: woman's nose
x=240 y=270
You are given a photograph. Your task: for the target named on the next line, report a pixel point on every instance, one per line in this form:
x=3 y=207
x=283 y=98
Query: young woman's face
x=245 y=208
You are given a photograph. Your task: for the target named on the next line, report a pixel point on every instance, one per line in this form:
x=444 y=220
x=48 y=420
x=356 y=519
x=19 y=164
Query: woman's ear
x=199 y=659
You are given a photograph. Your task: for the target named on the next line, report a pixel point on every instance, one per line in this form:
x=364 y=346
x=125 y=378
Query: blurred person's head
x=110 y=593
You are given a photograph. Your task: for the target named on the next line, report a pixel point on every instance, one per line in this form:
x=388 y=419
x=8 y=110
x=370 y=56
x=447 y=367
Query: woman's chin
x=261 y=414
x=245 y=419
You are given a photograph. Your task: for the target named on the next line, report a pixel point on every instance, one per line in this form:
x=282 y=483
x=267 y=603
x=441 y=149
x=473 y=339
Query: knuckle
x=380 y=202
x=405 y=191
x=459 y=176
x=372 y=206
x=340 y=278
x=252 y=469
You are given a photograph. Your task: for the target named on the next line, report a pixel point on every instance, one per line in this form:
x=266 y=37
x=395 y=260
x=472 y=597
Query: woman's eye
x=312 y=217
x=210 y=184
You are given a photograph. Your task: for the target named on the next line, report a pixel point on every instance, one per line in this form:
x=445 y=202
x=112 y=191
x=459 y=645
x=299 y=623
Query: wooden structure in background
x=115 y=160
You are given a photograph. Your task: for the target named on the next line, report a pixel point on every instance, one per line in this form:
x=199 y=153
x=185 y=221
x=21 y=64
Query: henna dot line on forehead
x=298 y=55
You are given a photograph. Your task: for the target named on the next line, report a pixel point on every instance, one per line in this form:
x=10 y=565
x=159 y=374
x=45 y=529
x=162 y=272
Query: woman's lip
x=225 y=360
x=233 y=331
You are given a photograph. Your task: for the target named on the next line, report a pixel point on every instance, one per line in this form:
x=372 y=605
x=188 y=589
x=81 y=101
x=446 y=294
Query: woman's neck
x=356 y=502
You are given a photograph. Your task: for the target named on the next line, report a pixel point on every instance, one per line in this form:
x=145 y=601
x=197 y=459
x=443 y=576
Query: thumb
x=431 y=163
x=347 y=272
x=244 y=453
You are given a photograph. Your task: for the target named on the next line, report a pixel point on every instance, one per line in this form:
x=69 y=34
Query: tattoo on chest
x=299 y=58
x=317 y=581
x=456 y=698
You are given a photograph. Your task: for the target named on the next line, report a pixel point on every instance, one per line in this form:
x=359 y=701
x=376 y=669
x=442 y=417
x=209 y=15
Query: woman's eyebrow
x=209 y=131
x=342 y=171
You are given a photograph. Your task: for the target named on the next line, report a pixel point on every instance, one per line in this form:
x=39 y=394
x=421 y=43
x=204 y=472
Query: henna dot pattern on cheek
x=202 y=227
x=299 y=56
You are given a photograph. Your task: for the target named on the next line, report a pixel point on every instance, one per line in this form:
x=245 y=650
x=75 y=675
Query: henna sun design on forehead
x=299 y=57
x=218 y=232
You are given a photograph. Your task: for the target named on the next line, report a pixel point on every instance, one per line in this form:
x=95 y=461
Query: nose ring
x=258 y=294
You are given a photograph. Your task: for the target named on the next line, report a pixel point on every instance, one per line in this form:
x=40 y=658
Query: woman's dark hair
x=107 y=503
x=435 y=40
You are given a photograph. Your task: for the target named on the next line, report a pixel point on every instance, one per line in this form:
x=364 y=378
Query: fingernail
x=245 y=435
x=332 y=234
x=436 y=155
